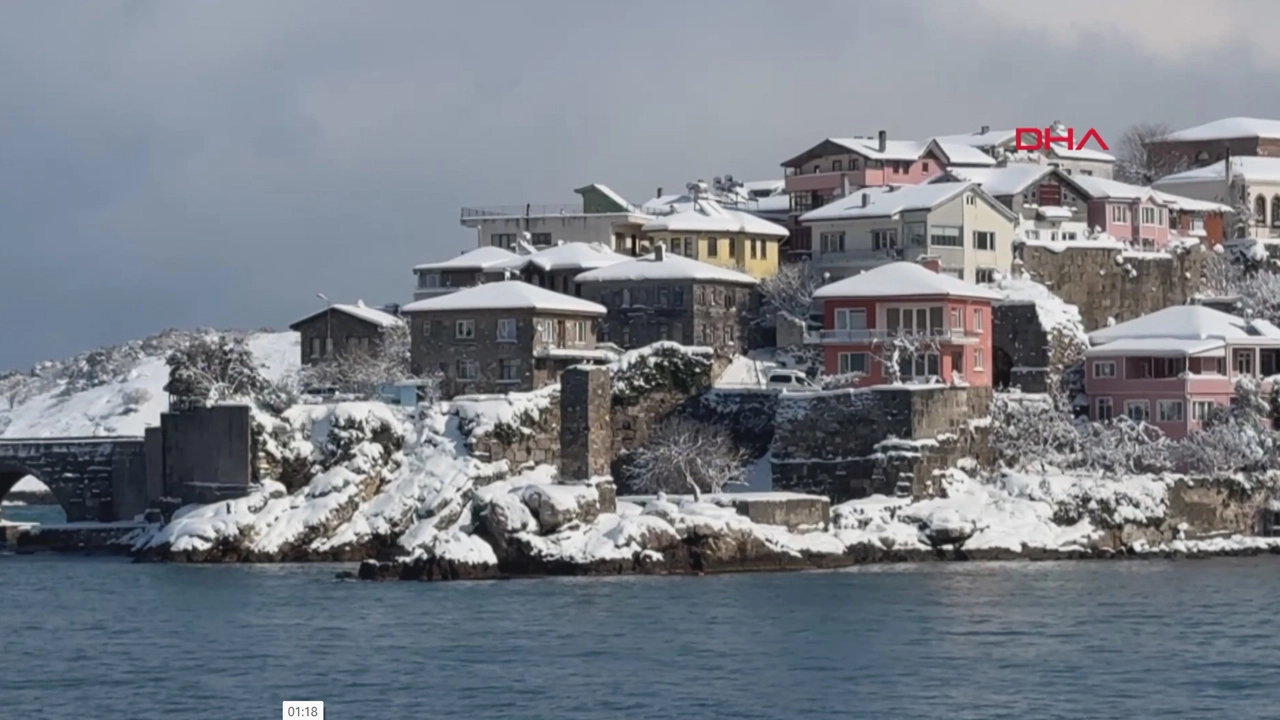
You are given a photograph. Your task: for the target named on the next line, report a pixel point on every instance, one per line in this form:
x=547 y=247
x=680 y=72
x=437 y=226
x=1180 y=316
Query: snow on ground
x=748 y=371
x=480 y=414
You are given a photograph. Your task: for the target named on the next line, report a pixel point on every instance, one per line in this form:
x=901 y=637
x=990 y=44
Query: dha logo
x=1037 y=139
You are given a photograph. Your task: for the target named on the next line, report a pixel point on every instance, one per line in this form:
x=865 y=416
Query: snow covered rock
x=556 y=506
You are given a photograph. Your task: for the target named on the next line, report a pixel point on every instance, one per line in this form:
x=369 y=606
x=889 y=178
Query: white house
x=1254 y=181
x=603 y=216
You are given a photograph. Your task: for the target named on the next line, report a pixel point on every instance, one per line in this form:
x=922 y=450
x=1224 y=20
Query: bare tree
x=364 y=372
x=790 y=290
x=684 y=455
x=15 y=388
x=895 y=351
x=212 y=369
x=1140 y=163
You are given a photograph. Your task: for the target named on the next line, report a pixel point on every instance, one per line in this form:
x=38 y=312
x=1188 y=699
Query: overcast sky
x=181 y=164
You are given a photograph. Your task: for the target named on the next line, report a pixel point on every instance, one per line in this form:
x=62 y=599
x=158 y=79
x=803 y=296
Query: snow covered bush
x=841 y=380
x=661 y=366
x=135 y=398
x=212 y=369
x=684 y=455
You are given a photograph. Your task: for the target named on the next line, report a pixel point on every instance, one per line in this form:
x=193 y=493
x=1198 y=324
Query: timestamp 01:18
x=303 y=710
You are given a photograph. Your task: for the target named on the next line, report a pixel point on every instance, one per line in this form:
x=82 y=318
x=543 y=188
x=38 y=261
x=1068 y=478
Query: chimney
x=884 y=140
x=659 y=193
x=930 y=262
x=985 y=129
x=659 y=252
x=866 y=199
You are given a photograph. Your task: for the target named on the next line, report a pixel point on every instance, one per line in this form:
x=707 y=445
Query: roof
x=710 y=216
x=359 y=311
x=1066 y=153
x=1189 y=204
x=1054 y=212
x=888 y=201
x=1186 y=322
x=1099 y=188
x=506 y=295
x=598 y=198
x=488 y=257
x=899 y=279
x=1009 y=180
x=961 y=154
x=575 y=255
x=990 y=138
x=1228 y=129
x=867 y=147
x=1156 y=347
x=1250 y=167
x=671 y=267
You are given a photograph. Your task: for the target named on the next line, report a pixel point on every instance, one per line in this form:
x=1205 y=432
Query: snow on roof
x=1156 y=347
x=962 y=154
x=1009 y=180
x=361 y=311
x=1189 y=204
x=615 y=197
x=478 y=259
x=893 y=149
x=666 y=203
x=710 y=216
x=671 y=267
x=1253 y=168
x=1053 y=212
x=773 y=186
x=989 y=138
x=507 y=295
x=1066 y=153
x=1099 y=188
x=887 y=201
x=1228 y=129
x=1265 y=328
x=1186 y=322
x=576 y=255
x=1053 y=312
x=901 y=279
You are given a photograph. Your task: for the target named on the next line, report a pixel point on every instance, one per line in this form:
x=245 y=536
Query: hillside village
x=881 y=345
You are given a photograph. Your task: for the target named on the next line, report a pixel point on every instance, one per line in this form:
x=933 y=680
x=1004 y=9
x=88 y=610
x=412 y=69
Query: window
x=730 y=333
x=1086 y=172
x=1148 y=216
x=1031 y=234
x=503 y=240
x=985 y=275
x=831 y=242
x=730 y=298
x=817 y=169
x=915 y=234
x=836 y=166
x=1137 y=410
x=713 y=247
x=851 y=319
x=1102 y=409
x=1260 y=210
x=1244 y=362
x=1119 y=214
x=626 y=297
x=970 y=199
x=677 y=297
x=317 y=346
x=464 y=329
x=467 y=370
x=1072 y=235
x=580 y=330
x=984 y=240
x=547 y=331
x=1104 y=369
x=1170 y=411
x=429 y=280
x=509 y=370
x=884 y=239
x=507 y=330
x=426 y=328
x=979 y=360
x=733 y=247
x=541 y=238
x=977 y=320
x=764 y=249
x=677 y=332
x=957 y=319
x=1275 y=211
x=1202 y=409
x=853 y=362
x=752 y=241
x=925 y=166
x=945 y=237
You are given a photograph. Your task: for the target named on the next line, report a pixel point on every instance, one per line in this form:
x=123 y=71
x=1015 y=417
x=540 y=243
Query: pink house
x=1171 y=367
x=836 y=165
x=861 y=314
x=1127 y=212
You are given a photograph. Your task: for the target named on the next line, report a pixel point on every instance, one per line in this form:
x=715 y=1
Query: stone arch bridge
x=95 y=479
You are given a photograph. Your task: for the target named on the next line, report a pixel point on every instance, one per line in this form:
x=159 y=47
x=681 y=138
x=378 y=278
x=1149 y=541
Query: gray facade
x=94 y=479
x=332 y=331
x=432 y=282
x=477 y=360
x=641 y=312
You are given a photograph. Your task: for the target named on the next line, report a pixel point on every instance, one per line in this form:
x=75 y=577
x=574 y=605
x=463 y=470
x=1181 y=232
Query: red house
x=937 y=326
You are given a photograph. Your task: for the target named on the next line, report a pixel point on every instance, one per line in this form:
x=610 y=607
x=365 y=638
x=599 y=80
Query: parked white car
x=789 y=380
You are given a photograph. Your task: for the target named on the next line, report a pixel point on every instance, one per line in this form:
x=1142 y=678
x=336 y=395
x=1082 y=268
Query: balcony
x=824 y=182
x=867 y=336
x=506 y=211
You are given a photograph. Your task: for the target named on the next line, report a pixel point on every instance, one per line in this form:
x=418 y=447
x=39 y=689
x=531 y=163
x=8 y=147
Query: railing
x=521 y=210
x=881 y=335
x=68 y=439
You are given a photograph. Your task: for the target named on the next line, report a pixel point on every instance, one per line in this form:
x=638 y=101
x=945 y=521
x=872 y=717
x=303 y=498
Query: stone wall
x=522 y=443
x=1105 y=282
x=85 y=475
x=586 y=429
x=206 y=453
x=1021 y=347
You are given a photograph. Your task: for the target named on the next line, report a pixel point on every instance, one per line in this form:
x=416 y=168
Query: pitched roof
x=575 y=255
x=1185 y=322
x=961 y=154
x=900 y=279
x=889 y=201
x=1066 y=153
x=990 y=138
x=1099 y=188
x=359 y=311
x=1228 y=129
x=1009 y=180
x=670 y=267
x=1189 y=204
x=710 y=216
x=1251 y=167
x=1156 y=347
x=868 y=147
x=506 y=295
x=484 y=258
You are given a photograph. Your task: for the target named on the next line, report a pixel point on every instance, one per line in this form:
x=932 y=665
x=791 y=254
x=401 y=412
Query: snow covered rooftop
x=962 y=154
x=707 y=215
x=507 y=295
x=1252 y=168
x=887 y=201
x=989 y=138
x=1053 y=212
x=1009 y=180
x=361 y=311
x=893 y=149
x=901 y=279
x=1100 y=188
x=1066 y=153
x=1228 y=129
x=670 y=267
x=488 y=257
x=575 y=255
x=1158 y=347
x=1189 y=204
x=1186 y=322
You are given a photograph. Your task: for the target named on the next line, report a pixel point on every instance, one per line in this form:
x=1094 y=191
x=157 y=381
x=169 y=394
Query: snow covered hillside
x=114 y=391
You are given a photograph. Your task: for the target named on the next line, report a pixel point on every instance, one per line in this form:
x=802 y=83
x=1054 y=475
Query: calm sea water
x=102 y=638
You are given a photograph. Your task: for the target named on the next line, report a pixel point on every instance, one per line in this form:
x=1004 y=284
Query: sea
x=94 y=637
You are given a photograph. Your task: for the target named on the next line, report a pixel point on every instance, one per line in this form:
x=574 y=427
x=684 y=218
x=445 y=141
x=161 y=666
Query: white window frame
x=1245 y=354
x=944 y=232
x=970 y=199
x=979 y=321
x=1097 y=409
x=844 y=316
x=507 y=330
x=1097 y=369
x=472 y=365
x=844 y=360
x=979 y=360
x=464 y=329
x=831 y=241
x=1200 y=409
x=957 y=318
x=1146 y=409
x=513 y=363
x=980 y=235
x=1163 y=408
x=984 y=272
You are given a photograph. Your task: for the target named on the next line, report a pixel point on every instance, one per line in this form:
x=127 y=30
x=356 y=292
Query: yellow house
x=706 y=230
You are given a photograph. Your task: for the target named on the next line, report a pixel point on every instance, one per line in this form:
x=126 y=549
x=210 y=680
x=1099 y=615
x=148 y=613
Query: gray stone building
x=502 y=337
x=670 y=297
x=556 y=267
x=486 y=264
x=340 y=328
x=1209 y=143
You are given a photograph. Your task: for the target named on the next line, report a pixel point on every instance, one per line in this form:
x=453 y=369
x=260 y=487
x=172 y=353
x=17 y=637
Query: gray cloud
x=181 y=164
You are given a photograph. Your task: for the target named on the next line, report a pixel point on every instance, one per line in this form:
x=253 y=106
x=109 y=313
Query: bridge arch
x=12 y=472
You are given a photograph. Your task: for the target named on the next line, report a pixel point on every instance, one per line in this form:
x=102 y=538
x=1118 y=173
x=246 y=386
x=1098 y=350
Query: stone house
x=1253 y=182
x=1212 y=142
x=556 y=267
x=501 y=337
x=340 y=328
x=663 y=296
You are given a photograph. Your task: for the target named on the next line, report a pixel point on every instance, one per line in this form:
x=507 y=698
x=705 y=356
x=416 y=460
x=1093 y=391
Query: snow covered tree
x=361 y=372
x=1247 y=274
x=15 y=387
x=1141 y=164
x=212 y=369
x=685 y=455
x=898 y=350
x=1031 y=429
x=790 y=290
